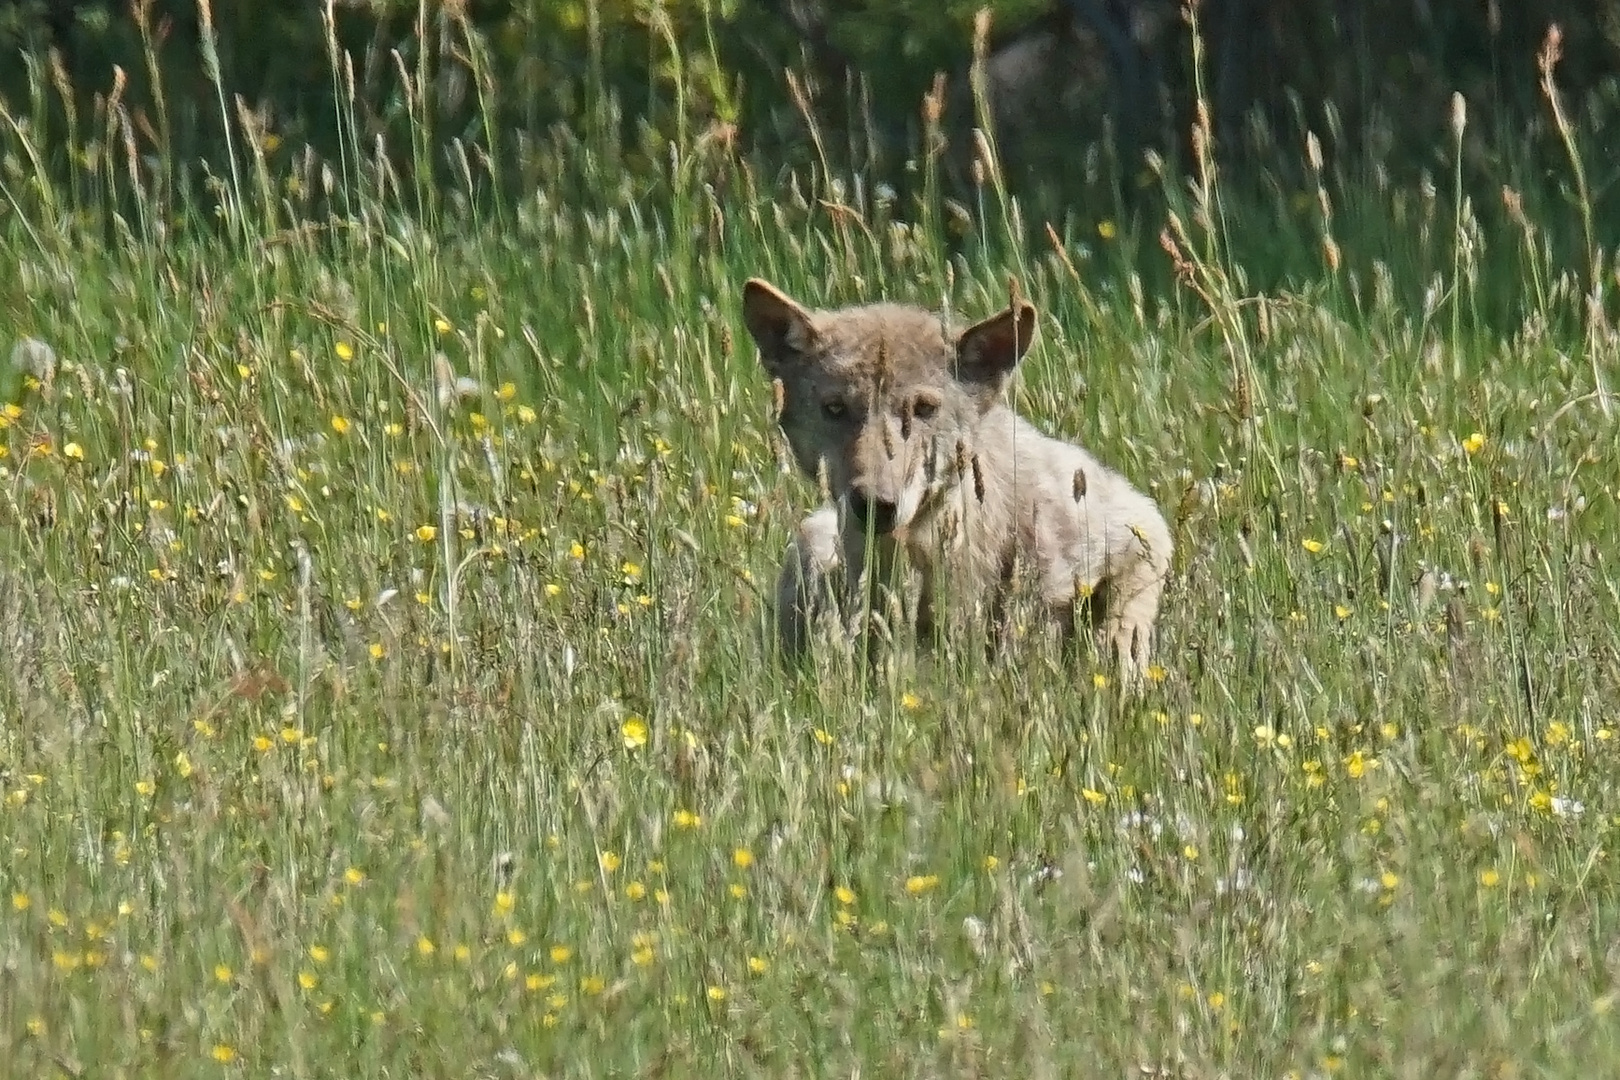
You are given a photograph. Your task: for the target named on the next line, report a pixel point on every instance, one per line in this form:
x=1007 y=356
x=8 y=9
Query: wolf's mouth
x=879 y=515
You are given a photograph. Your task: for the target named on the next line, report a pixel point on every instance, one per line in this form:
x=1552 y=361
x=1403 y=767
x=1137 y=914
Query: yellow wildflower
x=921 y=883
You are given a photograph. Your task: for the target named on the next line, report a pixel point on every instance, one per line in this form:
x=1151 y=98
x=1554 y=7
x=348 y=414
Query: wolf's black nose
x=876 y=514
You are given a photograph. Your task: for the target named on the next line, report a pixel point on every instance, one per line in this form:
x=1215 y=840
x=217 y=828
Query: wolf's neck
x=990 y=497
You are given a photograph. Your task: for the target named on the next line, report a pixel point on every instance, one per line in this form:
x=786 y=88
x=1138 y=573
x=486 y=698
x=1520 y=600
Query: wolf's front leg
x=870 y=585
x=808 y=581
x=928 y=624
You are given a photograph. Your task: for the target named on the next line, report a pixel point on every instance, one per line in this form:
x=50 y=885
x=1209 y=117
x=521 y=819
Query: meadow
x=385 y=687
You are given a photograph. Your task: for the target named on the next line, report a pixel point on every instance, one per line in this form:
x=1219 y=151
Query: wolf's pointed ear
x=779 y=326
x=987 y=352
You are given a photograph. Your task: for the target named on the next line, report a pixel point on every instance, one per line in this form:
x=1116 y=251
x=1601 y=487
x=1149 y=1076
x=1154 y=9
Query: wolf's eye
x=834 y=408
x=924 y=408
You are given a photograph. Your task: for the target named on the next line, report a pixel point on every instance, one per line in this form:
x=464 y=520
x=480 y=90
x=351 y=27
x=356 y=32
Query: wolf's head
x=885 y=397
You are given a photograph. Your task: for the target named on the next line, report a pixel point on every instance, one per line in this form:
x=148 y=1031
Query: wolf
x=904 y=422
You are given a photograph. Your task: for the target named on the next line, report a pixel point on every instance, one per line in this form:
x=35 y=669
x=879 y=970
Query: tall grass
x=385 y=691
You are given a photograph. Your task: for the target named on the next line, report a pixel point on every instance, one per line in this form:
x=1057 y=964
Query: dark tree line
x=1060 y=75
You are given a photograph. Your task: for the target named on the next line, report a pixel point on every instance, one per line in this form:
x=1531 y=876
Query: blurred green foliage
x=1366 y=74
